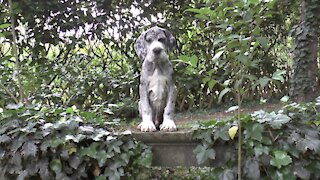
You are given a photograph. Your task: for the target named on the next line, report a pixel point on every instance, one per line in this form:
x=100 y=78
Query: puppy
x=157 y=89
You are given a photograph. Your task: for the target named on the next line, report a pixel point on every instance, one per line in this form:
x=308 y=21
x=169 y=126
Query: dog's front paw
x=147 y=126
x=168 y=125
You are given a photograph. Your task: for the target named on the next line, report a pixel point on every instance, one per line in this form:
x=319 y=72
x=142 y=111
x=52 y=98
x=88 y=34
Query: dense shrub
x=276 y=145
x=38 y=142
x=81 y=53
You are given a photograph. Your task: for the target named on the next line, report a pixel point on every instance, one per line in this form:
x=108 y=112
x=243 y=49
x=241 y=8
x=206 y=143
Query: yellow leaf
x=233 y=131
x=74 y=108
x=72 y=150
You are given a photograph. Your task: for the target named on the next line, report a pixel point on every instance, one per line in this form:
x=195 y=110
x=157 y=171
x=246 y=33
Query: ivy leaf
x=64 y=154
x=310 y=143
x=101 y=177
x=254 y=131
x=294 y=137
x=101 y=133
x=55 y=142
x=90 y=151
x=23 y=175
x=242 y=58
x=194 y=60
x=184 y=58
x=56 y=165
x=4 y=138
x=281 y=158
x=227 y=174
x=222 y=93
x=86 y=129
x=125 y=157
x=69 y=110
x=217 y=55
x=259 y=149
x=14 y=106
x=145 y=159
x=205 y=135
x=44 y=171
x=102 y=157
x=29 y=149
x=115 y=146
x=232 y=108
x=263 y=41
x=204 y=153
x=222 y=132
x=112 y=174
x=212 y=83
x=128 y=146
x=75 y=138
x=300 y=171
x=278 y=120
x=69 y=125
x=252 y=168
x=263 y=81
x=4 y=26
x=74 y=161
x=285 y=99
x=16 y=161
x=275 y=120
x=278 y=75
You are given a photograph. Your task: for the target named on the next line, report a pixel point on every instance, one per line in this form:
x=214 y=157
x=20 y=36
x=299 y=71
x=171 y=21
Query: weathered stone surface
x=172 y=149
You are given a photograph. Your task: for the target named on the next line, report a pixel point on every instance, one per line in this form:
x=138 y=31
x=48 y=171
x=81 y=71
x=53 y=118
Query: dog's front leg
x=145 y=109
x=168 y=122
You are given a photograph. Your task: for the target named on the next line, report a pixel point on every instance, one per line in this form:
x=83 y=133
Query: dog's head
x=154 y=44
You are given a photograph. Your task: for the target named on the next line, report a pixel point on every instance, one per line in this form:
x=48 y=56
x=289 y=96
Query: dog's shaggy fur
x=157 y=89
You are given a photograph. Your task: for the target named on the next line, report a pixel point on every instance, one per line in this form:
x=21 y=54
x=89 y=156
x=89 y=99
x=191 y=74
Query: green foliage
x=281 y=158
x=241 y=45
x=39 y=142
x=276 y=145
x=72 y=55
x=76 y=58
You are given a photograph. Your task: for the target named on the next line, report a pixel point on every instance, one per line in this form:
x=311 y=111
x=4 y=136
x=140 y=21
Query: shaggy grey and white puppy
x=157 y=88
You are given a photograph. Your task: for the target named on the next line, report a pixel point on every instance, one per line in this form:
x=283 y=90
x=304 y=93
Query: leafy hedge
x=87 y=58
x=275 y=145
x=37 y=142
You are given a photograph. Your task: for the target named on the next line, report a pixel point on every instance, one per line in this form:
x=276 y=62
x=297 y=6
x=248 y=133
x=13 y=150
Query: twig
x=271 y=135
x=15 y=52
x=239 y=137
x=10 y=94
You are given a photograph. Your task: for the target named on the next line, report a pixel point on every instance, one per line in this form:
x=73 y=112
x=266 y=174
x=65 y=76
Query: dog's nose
x=157 y=50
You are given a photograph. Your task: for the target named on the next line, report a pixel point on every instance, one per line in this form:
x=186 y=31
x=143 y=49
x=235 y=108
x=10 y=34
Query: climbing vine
x=276 y=145
x=46 y=143
x=305 y=78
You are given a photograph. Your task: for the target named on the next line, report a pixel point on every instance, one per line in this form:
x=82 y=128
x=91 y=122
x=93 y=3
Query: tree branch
x=10 y=94
x=15 y=52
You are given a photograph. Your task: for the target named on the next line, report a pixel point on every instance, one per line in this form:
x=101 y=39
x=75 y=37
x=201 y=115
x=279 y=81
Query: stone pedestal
x=171 y=149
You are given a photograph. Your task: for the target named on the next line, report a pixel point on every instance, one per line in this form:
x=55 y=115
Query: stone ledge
x=165 y=137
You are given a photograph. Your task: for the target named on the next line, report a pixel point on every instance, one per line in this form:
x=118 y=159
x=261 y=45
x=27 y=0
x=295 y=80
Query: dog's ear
x=170 y=39
x=140 y=46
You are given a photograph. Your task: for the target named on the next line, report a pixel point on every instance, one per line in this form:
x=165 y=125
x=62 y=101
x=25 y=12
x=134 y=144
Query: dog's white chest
x=158 y=88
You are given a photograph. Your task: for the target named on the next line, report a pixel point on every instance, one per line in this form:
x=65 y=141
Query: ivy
x=275 y=145
x=304 y=82
x=39 y=142
x=280 y=158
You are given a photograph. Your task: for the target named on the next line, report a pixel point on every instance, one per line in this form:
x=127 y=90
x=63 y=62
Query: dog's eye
x=162 y=40
x=148 y=40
